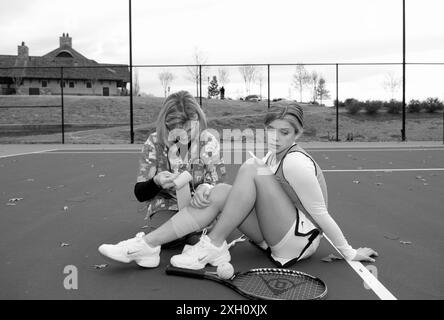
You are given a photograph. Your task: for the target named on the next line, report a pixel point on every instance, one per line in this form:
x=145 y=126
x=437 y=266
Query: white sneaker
x=198 y=256
x=135 y=249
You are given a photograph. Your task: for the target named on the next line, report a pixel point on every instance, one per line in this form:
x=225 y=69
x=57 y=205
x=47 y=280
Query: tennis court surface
x=59 y=203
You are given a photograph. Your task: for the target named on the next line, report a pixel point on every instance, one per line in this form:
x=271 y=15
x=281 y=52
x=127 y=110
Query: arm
x=300 y=172
x=214 y=167
x=146 y=188
x=214 y=170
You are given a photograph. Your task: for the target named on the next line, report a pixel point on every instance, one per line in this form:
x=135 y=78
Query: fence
x=91 y=109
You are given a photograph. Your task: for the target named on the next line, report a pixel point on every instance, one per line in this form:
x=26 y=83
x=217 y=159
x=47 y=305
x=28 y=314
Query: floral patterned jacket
x=203 y=162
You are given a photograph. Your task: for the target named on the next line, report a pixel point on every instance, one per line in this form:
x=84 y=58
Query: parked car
x=253 y=98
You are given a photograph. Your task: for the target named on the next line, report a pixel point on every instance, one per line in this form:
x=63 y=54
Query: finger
x=168 y=185
x=364 y=258
x=203 y=203
x=203 y=200
x=373 y=253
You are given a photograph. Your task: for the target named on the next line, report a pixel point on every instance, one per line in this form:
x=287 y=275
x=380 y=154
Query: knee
x=220 y=193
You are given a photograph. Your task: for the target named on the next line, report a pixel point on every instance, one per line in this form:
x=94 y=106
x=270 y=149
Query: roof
x=49 y=67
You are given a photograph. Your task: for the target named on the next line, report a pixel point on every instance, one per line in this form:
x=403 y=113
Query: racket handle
x=198 y=274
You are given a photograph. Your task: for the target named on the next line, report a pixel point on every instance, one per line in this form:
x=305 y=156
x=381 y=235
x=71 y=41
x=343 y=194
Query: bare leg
x=165 y=233
x=274 y=211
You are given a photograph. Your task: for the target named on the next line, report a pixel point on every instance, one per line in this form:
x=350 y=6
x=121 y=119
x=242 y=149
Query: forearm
x=334 y=233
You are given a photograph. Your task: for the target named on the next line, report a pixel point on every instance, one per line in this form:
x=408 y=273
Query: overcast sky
x=240 y=31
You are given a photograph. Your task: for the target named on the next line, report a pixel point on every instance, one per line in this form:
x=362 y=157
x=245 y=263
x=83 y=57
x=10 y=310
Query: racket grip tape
x=198 y=274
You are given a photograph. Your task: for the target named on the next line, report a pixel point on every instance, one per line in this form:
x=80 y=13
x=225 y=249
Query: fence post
x=268 y=79
x=131 y=72
x=337 y=103
x=403 y=73
x=200 y=85
x=63 y=103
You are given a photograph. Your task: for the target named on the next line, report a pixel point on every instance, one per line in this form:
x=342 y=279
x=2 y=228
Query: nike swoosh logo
x=129 y=253
x=202 y=259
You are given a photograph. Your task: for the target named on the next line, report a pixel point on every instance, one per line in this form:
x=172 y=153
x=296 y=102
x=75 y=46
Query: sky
x=242 y=32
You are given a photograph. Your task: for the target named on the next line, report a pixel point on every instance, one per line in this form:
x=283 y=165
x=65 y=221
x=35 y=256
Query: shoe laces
x=129 y=241
x=242 y=238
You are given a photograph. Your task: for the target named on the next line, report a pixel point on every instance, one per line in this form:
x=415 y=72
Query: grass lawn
x=106 y=120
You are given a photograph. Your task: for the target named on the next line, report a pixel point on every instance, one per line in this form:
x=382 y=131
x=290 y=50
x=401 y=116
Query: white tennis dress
x=303 y=181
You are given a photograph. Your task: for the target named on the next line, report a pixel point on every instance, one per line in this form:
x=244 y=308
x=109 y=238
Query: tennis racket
x=264 y=283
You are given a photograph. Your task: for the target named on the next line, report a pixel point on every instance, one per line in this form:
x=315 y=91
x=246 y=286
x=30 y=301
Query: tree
x=213 y=88
x=321 y=90
x=260 y=79
x=224 y=76
x=314 y=77
x=248 y=74
x=17 y=79
x=136 y=85
x=166 y=78
x=392 y=84
x=199 y=59
x=300 y=79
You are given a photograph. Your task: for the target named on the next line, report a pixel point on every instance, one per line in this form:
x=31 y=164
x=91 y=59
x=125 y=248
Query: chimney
x=23 y=51
x=66 y=40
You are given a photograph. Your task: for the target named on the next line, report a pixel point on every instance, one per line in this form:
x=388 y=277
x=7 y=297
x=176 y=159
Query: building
x=24 y=74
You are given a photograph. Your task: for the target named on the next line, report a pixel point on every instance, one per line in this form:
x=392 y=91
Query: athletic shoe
x=135 y=249
x=198 y=256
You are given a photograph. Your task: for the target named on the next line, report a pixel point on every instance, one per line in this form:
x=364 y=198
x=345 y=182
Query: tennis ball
x=225 y=271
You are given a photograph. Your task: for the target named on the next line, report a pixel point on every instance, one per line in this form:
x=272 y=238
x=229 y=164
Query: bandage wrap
x=184 y=223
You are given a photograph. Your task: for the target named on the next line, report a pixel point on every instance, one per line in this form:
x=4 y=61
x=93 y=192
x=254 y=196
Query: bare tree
x=249 y=74
x=17 y=80
x=199 y=59
x=314 y=77
x=260 y=80
x=321 y=90
x=392 y=84
x=300 y=79
x=136 y=86
x=166 y=78
x=224 y=76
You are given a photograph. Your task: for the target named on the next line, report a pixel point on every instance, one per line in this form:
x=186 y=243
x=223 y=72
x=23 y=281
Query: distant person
x=163 y=158
x=222 y=93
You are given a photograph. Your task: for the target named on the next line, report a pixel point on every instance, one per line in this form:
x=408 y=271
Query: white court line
x=26 y=153
x=95 y=152
x=369 y=150
x=378 y=288
x=386 y=170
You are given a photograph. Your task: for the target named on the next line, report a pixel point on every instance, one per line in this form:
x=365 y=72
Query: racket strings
x=280 y=285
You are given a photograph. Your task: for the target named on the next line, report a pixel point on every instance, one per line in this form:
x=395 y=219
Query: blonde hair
x=292 y=113
x=178 y=108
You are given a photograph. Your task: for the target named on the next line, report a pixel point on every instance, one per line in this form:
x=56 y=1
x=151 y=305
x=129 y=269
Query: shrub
x=341 y=104
x=432 y=105
x=393 y=106
x=354 y=107
x=414 y=106
x=349 y=101
x=372 y=107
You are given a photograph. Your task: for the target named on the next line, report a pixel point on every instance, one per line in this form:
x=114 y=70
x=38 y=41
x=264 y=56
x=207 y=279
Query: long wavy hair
x=177 y=109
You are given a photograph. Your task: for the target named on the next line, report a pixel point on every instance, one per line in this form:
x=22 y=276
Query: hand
x=365 y=254
x=255 y=160
x=165 y=179
x=200 y=199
